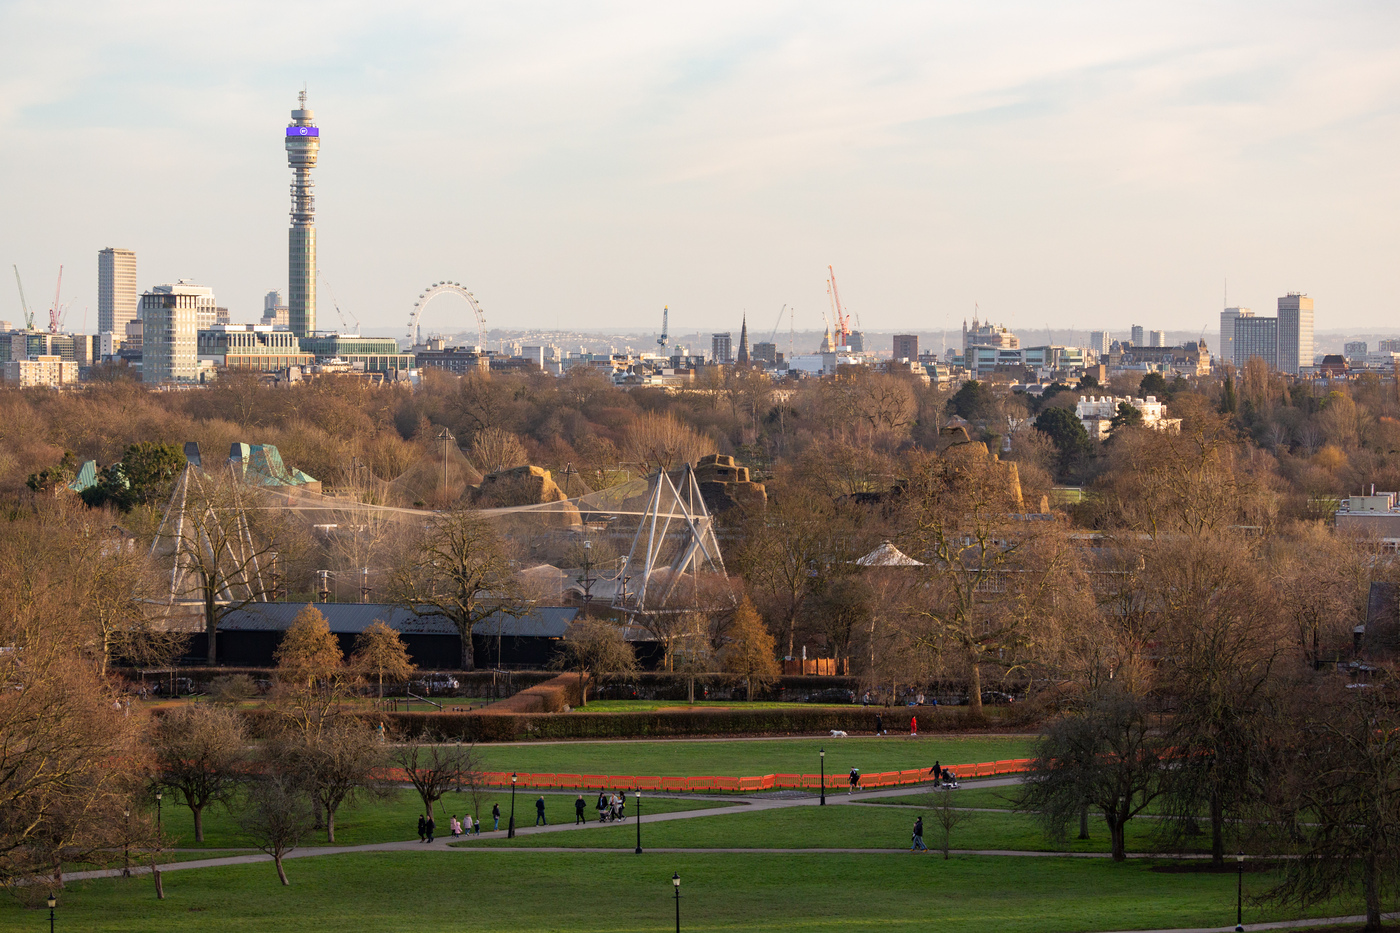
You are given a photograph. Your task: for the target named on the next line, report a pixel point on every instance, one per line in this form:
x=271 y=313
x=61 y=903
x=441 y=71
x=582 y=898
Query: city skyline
x=582 y=170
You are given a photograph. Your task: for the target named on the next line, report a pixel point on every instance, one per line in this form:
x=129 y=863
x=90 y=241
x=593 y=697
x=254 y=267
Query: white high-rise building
x=1157 y=338
x=722 y=348
x=1225 y=351
x=1099 y=342
x=1295 y=333
x=1256 y=337
x=116 y=290
x=170 y=322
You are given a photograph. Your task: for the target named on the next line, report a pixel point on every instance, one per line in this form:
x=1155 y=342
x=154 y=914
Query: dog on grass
x=838 y=733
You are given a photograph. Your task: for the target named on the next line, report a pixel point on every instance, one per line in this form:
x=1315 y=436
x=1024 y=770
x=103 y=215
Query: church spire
x=743 y=357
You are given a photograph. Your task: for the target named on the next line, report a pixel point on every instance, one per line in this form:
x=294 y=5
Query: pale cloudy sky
x=1067 y=164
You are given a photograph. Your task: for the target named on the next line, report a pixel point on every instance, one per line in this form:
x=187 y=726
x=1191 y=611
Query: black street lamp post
x=1239 y=892
x=675 y=880
x=823 y=756
x=639 y=821
x=510 y=830
x=160 y=826
x=126 y=845
x=53 y=902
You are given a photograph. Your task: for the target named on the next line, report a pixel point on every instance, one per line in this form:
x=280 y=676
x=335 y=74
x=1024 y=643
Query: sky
x=580 y=165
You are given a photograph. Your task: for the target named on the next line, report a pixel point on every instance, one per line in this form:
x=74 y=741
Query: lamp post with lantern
x=823 y=757
x=1239 y=892
x=639 y=821
x=160 y=826
x=675 y=881
x=53 y=902
x=510 y=830
x=126 y=844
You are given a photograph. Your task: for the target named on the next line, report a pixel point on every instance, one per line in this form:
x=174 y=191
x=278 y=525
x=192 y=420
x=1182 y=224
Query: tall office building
x=1295 y=333
x=1355 y=349
x=1157 y=338
x=1225 y=350
x=1137 y=335
x=721 y=348
x=170 y=316
x=906 y=347
x=1256 y=337
x=274 y=310
x=1099 y=341
x=116 y=290
x=303 y=144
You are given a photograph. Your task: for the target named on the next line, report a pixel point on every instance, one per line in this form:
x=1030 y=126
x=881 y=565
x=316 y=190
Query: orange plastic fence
x=750 y=783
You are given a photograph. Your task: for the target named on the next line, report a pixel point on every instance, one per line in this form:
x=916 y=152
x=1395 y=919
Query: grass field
x=466 y=891
x=836 y=827
x=396 y=818
x=677 y=758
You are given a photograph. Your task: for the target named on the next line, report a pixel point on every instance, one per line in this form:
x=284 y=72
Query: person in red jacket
x=913 y=725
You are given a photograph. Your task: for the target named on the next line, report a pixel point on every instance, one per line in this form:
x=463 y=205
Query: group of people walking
x=610 y=807
x=467 y=826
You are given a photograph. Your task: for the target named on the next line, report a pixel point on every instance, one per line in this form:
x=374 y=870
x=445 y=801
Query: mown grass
x=648 y=706
x=684 y=758
x=626 y=893
x=395 y=817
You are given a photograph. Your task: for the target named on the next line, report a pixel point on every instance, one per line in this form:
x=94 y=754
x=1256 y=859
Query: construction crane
x=665 y=327
x=53 y=311
x=28 y=315
x=843 y=320
x=772 y=338
x=336 y=304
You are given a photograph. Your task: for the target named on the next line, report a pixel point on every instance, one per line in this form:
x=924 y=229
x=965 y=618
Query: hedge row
x=508 y=727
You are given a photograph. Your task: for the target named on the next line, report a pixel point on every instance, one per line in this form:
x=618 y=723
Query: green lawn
x=468 y=891
x=996 y=798
x=396 y=817
x=836 y=827
x=681 y=758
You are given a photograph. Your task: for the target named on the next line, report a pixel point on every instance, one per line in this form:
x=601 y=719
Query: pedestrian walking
x=422 y=828
x=918 y=836
x=431 y=827
x=914 y=725
x=471 y=823
x=854 y=780
x=937 y=774
x=578 y=810
x=496 y=815
x=602 y=807
x=539 y=811
x=455 y=826
x=879 y=724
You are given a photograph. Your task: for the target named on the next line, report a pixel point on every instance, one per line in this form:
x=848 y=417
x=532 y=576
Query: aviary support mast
x=303 y=145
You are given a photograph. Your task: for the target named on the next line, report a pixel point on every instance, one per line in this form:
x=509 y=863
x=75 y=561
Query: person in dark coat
x=937 y=774
x=918 y=836
x=879 y=724
x=430 y=827
x=422 y=828
x=496 y=815
x=539 y=812
x=578 y=810
x=602 y=807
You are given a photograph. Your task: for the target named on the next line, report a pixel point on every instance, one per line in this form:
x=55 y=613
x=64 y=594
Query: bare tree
x=662 y=443
x=199 y=753
x=309 y=653
x=434 y=767
x=1106 y=757
x=458 y=569
x=334 y=766
x=595 y=650
x=1341 y=802
x=276 y=817
x=946 y=817
x=495 y=449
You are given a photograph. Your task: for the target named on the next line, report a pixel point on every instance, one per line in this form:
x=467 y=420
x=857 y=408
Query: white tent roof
x=887 y=555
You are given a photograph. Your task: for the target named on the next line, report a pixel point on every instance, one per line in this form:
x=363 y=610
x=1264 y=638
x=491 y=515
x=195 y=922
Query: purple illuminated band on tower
x=303 y=131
